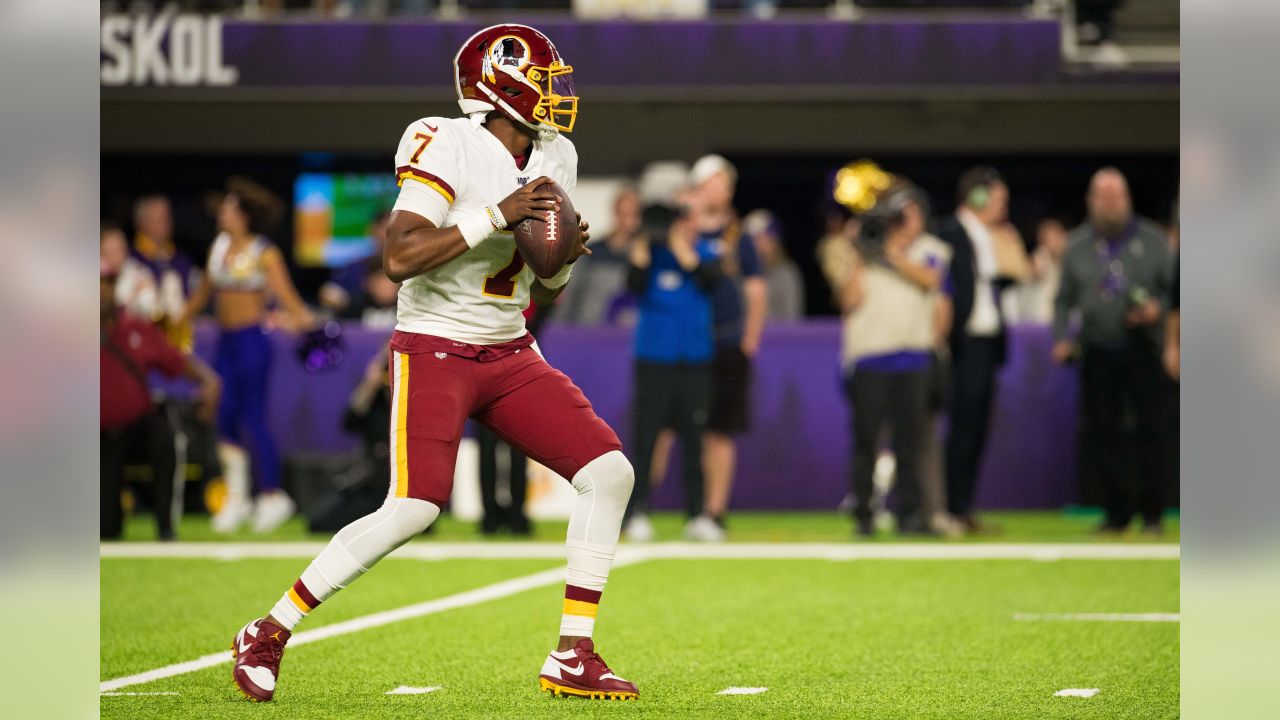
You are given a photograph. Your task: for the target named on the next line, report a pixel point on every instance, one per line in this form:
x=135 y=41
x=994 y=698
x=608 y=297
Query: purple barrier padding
x=1031 y=455
x=743 y=53
x=796 y=455
x=305 y=409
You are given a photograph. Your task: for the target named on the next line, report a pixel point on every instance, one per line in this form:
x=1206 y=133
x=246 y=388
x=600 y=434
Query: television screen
x=332 y=213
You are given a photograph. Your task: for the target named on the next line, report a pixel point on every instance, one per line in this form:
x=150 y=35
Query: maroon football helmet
x=516 y=69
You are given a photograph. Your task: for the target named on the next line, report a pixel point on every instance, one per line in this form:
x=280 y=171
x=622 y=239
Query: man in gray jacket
x=1116 y=276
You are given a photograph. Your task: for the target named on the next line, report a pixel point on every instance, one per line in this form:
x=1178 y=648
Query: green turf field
x=851 y=639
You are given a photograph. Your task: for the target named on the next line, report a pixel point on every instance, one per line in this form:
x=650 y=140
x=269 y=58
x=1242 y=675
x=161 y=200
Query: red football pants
x=436 y=384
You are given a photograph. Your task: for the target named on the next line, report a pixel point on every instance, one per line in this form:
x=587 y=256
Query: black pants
x=974 y=364
x=150 y=439
x=496 y=512
x=1114 y=382
x=669 y=396
x=899 y=401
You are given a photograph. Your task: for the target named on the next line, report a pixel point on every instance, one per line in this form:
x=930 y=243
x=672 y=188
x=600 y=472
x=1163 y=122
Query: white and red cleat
x=581 y=672
x=257 y=649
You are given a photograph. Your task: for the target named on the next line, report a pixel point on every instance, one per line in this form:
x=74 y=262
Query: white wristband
x=558 y=280
x=495 y=216
x=475 y=228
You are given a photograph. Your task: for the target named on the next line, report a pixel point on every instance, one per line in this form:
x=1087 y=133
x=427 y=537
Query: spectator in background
x=364 y=487
x=502 y=494
x=782 y=278
x=245 y=271
x=1173 y=325
x=672 y=281
x=344 y=292
x=376 y=306
x=835 y=251
x=1032 y=301
x=600 y=278
x=890 y=303
x=986 y=255
x=1116 y=276
x=131 y=347
x=738 y=306
x=174 y=272
x=134 y=283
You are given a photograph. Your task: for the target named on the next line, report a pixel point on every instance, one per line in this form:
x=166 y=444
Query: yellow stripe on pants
x=401 y=423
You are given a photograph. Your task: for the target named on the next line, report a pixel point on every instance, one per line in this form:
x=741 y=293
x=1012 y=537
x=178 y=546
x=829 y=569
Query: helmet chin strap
x=546 y=133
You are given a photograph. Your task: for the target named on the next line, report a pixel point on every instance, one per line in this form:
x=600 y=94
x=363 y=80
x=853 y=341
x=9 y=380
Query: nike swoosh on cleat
x=245 y=648
x=572 y=671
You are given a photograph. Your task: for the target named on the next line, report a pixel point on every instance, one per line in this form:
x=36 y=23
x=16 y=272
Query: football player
x=461 y=349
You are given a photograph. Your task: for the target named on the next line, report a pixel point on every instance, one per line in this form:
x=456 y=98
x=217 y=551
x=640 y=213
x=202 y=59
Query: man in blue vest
x=671 y=280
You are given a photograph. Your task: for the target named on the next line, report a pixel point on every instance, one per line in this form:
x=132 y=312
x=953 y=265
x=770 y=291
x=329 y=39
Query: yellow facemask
x=557 y=109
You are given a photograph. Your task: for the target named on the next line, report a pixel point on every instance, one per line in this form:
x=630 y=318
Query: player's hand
x=1145 y=314
x=1173 y=361
x=1063 y=350
x=580 y=248
x=375 y=373
x=210 y=396
x=638 y=252
x=534 y=200
x=680 y=241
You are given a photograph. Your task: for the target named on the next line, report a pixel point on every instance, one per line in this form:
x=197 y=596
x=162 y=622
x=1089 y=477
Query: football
x=546 y=246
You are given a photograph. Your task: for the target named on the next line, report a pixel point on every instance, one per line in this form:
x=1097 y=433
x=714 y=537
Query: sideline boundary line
x=671 y=551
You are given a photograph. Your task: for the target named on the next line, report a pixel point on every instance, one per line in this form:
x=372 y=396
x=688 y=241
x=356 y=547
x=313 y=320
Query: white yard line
x=479 y=595
x=742 y=691
x=672 y=550
x=410 y=690
x=1077 y=692
x=1098 y=617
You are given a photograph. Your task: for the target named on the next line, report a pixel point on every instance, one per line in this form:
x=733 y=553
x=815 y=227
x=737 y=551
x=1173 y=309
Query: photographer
x=130 y=424
x=1116 y=276
x=673 y=349
x=890 y=300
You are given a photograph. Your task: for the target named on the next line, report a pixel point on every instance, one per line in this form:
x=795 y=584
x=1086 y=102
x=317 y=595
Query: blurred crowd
x=925 y=301
x=1094 y=18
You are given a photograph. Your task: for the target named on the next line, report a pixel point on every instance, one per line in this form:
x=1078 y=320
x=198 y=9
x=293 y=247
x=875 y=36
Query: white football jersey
x=449 y=169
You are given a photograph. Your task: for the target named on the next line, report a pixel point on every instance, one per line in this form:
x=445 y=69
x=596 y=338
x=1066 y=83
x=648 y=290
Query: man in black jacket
x=977 y=338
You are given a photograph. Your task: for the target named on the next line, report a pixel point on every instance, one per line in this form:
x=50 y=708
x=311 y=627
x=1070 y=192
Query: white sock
x=351 y=552
x=604 y=487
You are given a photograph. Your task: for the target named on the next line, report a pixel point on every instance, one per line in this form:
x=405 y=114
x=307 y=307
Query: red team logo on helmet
x=516 y=69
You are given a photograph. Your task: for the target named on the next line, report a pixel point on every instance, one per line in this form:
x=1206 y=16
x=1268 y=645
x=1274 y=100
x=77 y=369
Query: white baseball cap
x=709 y=165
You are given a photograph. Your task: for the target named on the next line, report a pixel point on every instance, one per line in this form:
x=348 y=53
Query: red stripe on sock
x=305 y=594
x=573 y=592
